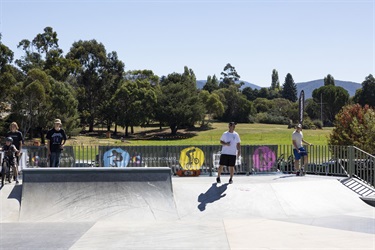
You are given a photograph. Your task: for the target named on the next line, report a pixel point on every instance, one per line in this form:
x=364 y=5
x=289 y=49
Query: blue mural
x=116 y=157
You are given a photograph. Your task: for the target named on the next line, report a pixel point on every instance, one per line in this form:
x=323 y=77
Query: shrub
x=271 y=119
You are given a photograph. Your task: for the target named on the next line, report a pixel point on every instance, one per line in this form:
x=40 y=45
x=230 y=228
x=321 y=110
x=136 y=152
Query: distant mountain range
x=307 y=87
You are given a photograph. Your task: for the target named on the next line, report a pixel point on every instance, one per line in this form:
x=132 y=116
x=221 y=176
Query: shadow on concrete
x=16 y=193
x=286 y=176
x=214 y=193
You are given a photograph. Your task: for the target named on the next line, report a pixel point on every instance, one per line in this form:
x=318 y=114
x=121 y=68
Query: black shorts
x=227 y=160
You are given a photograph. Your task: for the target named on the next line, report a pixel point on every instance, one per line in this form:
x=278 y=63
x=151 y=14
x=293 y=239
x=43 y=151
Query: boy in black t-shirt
x=56 y=139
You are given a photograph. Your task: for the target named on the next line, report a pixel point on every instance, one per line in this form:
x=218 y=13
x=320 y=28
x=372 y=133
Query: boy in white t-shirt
x=231 y=149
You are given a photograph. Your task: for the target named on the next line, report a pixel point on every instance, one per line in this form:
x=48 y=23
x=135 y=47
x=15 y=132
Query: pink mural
x=263 y=158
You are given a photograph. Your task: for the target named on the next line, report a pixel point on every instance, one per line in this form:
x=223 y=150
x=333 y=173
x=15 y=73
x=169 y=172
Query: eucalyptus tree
x=179 y=104
x=237 y=107
x=7 y=76
x=112 y=78
x=93 y=81
x=134 y=102
x=229 y=77
x=36 y=50
x=212 y=103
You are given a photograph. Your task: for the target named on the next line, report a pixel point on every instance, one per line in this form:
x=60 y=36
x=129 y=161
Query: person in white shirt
x=298 y=150
x=231 y=149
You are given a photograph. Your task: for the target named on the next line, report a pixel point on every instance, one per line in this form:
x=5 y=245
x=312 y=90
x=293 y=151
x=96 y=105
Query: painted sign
x=191 y=158
x=116 y=157
x=264 y=158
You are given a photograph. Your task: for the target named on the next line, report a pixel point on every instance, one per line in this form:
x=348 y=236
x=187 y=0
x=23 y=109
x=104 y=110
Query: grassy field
x=251 y=134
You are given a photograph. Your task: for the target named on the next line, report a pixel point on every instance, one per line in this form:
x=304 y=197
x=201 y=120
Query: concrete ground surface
x=258 y=212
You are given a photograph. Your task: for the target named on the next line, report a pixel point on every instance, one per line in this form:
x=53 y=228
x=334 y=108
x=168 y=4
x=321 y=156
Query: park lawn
x=251 y=134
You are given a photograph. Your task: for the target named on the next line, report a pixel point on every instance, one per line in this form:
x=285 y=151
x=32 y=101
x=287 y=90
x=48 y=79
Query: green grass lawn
x=251 y=134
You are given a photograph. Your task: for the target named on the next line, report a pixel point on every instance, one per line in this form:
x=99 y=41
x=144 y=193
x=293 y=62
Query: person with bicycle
x=18 y=141
x=9 y=160
x=298 y=150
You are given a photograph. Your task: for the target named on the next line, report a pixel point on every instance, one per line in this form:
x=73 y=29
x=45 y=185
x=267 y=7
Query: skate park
x=149 y=208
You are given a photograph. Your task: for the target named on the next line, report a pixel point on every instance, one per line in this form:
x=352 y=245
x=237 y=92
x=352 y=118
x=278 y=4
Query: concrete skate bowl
x=94 y=194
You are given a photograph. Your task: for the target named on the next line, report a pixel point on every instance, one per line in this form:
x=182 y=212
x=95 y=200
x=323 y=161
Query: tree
x=6 y=56
x=289 y=89
x=264 y=93
x=313 y=109
x=133 y=103
x=214 y=107
x=92 y=81
x=334 y=98
x=212 y=84
x=275 y=84
x=37 y=50
x=7 y=79
x=329 y=80
x=251 y=94
x=237 y=107
x=366 y=95
x=112 y=78
x=229 y=77
x=178 y=103
x=31 y=100
x=355 y=125
x=43 y=52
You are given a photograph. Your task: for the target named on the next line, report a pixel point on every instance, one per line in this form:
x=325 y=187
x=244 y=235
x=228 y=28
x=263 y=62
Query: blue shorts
x=302 y=152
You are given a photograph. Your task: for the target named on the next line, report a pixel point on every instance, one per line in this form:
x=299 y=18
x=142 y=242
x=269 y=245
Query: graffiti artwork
x=263 y=158
x=116 y=157
x=191 y=158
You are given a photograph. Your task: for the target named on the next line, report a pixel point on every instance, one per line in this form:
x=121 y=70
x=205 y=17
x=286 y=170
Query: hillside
x=201 y=83
x=307 y=87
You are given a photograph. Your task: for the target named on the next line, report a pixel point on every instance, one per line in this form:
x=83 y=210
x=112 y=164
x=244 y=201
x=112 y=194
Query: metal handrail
x=256 y=159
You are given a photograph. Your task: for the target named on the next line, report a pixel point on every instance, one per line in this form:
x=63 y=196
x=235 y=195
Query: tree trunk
x=126 y=130
x=115 y=132
x=91 y=127
x=42 y=138
x=174 y=129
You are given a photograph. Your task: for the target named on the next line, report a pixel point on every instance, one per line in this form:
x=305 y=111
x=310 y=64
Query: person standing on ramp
x=299 y=151
x=56 y=139
x=231 y=149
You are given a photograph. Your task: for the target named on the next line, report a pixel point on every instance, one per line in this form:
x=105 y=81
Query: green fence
x=256 y=159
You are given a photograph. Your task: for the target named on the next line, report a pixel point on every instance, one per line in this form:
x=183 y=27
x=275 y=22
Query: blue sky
x=308 y=39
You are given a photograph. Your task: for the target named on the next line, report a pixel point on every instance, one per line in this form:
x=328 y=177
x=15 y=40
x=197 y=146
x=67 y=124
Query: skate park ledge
x=30 y=175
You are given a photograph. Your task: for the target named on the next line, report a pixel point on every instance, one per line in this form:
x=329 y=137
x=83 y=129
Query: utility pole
x=321 y=107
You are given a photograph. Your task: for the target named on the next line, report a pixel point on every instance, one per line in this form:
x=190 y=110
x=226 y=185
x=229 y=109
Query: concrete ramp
x=93 y=194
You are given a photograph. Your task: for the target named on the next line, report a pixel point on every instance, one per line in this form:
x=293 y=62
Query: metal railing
x=256 y=159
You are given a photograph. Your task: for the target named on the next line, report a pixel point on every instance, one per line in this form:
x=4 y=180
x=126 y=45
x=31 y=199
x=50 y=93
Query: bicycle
x=6 y=170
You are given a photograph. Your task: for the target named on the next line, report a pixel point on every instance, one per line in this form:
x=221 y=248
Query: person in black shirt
x=56 y=139
x=18 y=141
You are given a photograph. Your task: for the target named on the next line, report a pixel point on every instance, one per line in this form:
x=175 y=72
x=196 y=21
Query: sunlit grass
x=251 y=134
